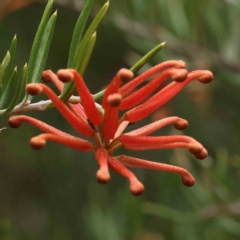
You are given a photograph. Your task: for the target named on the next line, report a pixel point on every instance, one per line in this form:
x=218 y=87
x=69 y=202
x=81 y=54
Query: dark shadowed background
x=52 y=193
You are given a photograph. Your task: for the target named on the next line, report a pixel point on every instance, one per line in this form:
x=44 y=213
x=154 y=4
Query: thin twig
x=43 y=105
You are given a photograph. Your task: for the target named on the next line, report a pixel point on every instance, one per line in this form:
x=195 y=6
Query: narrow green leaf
x=9 y=67
x=7 y=64
x=3 y=67
x=6 y=60
x=7 y=91
x=18 y=92
x=77 y=33
x=88 y=53
x=42 y=53
x=138 y=65
x=33 y=60
x=92 y=28
x=13 y=47
x=69 y=87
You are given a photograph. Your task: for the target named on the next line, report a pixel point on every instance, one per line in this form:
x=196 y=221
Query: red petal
x=141 y=94
x=126 y=89
x=187 y=178
x=179 y=123
x=136 y=187
x=111 y=116
x=79 y=144
x=110 y=123
x=122 y=76
x=101 y=156
x=87 y=100
x=164 y=96
x=80 y=125
x=17 y=121
x=49 y=76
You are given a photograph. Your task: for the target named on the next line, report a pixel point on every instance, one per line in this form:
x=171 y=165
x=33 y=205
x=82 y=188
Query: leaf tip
x=107 y=4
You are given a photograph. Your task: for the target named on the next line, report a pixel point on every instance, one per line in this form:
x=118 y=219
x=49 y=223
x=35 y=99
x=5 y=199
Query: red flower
x=107 y=129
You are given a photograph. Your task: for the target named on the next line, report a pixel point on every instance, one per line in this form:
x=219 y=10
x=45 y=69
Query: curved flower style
x=107 y=129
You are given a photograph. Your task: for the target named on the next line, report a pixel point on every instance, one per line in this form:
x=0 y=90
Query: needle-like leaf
x=6 y=93
x=78 y=31
x=3 y=67
x=69 y=87
x=7 y=64
x=88 y=53
x=37 y=65
x=9 y=67
x=41 y=44
x=138 y=65
x=18 y=91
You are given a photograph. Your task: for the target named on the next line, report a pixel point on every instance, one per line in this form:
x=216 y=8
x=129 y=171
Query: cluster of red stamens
x=107 y=128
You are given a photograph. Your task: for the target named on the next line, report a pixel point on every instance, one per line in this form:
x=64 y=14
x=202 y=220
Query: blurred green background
x=53 y=194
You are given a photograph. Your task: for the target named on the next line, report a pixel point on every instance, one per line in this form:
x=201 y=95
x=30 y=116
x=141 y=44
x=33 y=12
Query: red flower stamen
x=136 y=187
x=17 y=121
x=111 y=101
x=79 y=125
x=178 y=123
x=111 y=116
x=49 y=76
x=84 y=118
x=140 y=95
x=129 y=87
x=187 y=178
x=86 y=98
x=203 y=154
x=123 y=75
x=146 y=143
x=101 y=156
x=78 y=144
x=165 y=95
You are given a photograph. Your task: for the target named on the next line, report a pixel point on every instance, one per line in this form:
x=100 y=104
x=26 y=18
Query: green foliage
x=7 y=74
x=138 y=65
x=80 y=53
x=78 y=31
x=53 y=194
x=18 y=91
x=3 y=67
x=37 y=61
x=42 y=37
x=41 y=44
x=7 y=65
x=82 y=47
x=9 y=85
x=88 y=53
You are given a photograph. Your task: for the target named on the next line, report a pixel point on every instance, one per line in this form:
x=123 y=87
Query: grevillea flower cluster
x=106 y=127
